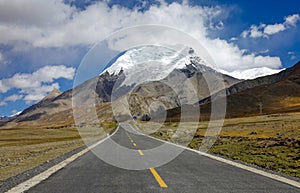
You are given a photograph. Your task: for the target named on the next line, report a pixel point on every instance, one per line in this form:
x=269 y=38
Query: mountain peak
x=53 y=94
x=55 y=91
x=152 y=63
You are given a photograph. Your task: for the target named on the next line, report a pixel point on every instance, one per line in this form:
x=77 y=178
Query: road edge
x=26 y=185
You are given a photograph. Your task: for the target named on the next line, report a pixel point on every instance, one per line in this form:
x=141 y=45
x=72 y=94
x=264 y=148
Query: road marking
x=128 y=135
x=131 y=140
x=158 y=178
x=153 y=171
x=24 y=186
x=140 y=152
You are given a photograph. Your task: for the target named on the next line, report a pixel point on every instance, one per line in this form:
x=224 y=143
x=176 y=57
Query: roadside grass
x=24 y=148
x=269 y=141
x=277 y=157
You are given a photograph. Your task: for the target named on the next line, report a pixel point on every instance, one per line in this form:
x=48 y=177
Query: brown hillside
x=277 y=93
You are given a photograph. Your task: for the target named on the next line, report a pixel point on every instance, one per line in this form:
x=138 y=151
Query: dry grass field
x=269 y=141
x=25 y=148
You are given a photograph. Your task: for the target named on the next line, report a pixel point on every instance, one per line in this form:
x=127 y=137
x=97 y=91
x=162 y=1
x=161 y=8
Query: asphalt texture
x=121 y=172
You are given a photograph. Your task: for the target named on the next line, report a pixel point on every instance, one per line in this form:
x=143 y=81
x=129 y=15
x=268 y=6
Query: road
x=189 y=172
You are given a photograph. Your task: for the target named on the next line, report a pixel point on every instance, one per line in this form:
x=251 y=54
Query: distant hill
x=278 y=93
x=56 y=108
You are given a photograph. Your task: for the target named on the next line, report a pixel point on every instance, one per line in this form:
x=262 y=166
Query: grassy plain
x=269 y=141
x=24 y=148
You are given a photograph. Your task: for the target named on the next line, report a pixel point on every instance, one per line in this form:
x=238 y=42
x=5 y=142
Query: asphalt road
x=189 y=172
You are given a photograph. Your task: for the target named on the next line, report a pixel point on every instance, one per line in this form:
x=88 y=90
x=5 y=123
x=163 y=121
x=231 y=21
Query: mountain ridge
x=100 y=90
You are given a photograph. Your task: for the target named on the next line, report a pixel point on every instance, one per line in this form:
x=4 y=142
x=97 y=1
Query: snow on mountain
x=15 y=114
x=252 y=73
x=11 y=116
x=151 y=63
x=4 y=119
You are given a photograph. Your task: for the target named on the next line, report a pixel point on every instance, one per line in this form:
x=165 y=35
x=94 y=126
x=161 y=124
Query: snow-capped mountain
x=252 y=73
x=12 y=115
x=151 y=63
x=15 y=114
x=4 y=119
x=163 y=75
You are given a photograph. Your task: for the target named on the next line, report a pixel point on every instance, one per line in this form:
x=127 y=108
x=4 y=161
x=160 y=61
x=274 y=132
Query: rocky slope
x=182 y=86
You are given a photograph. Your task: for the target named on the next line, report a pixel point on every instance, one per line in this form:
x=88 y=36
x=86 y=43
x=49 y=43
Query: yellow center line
x=158 y=178
x=140 y=152
x=134 y=144
x=128 y=136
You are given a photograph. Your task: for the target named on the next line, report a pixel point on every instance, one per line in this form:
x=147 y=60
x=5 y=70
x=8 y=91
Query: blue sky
x=42 y=43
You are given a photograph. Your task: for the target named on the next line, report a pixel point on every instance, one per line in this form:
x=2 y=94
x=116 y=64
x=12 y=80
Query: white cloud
x=234 y=39
x=39 y=93
x=3 y=60
x=230 y=57
x=216 y=26
x=254 y=32
x=48 y=73
x=2 y=103
x=35 y=13
x=292 y=19
x=292 y=55
x=3 y=87
x=264 y=30
x=274 y=29
x=264 y=51
x=13 y=98
x=36 y=85
x=51 y=23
